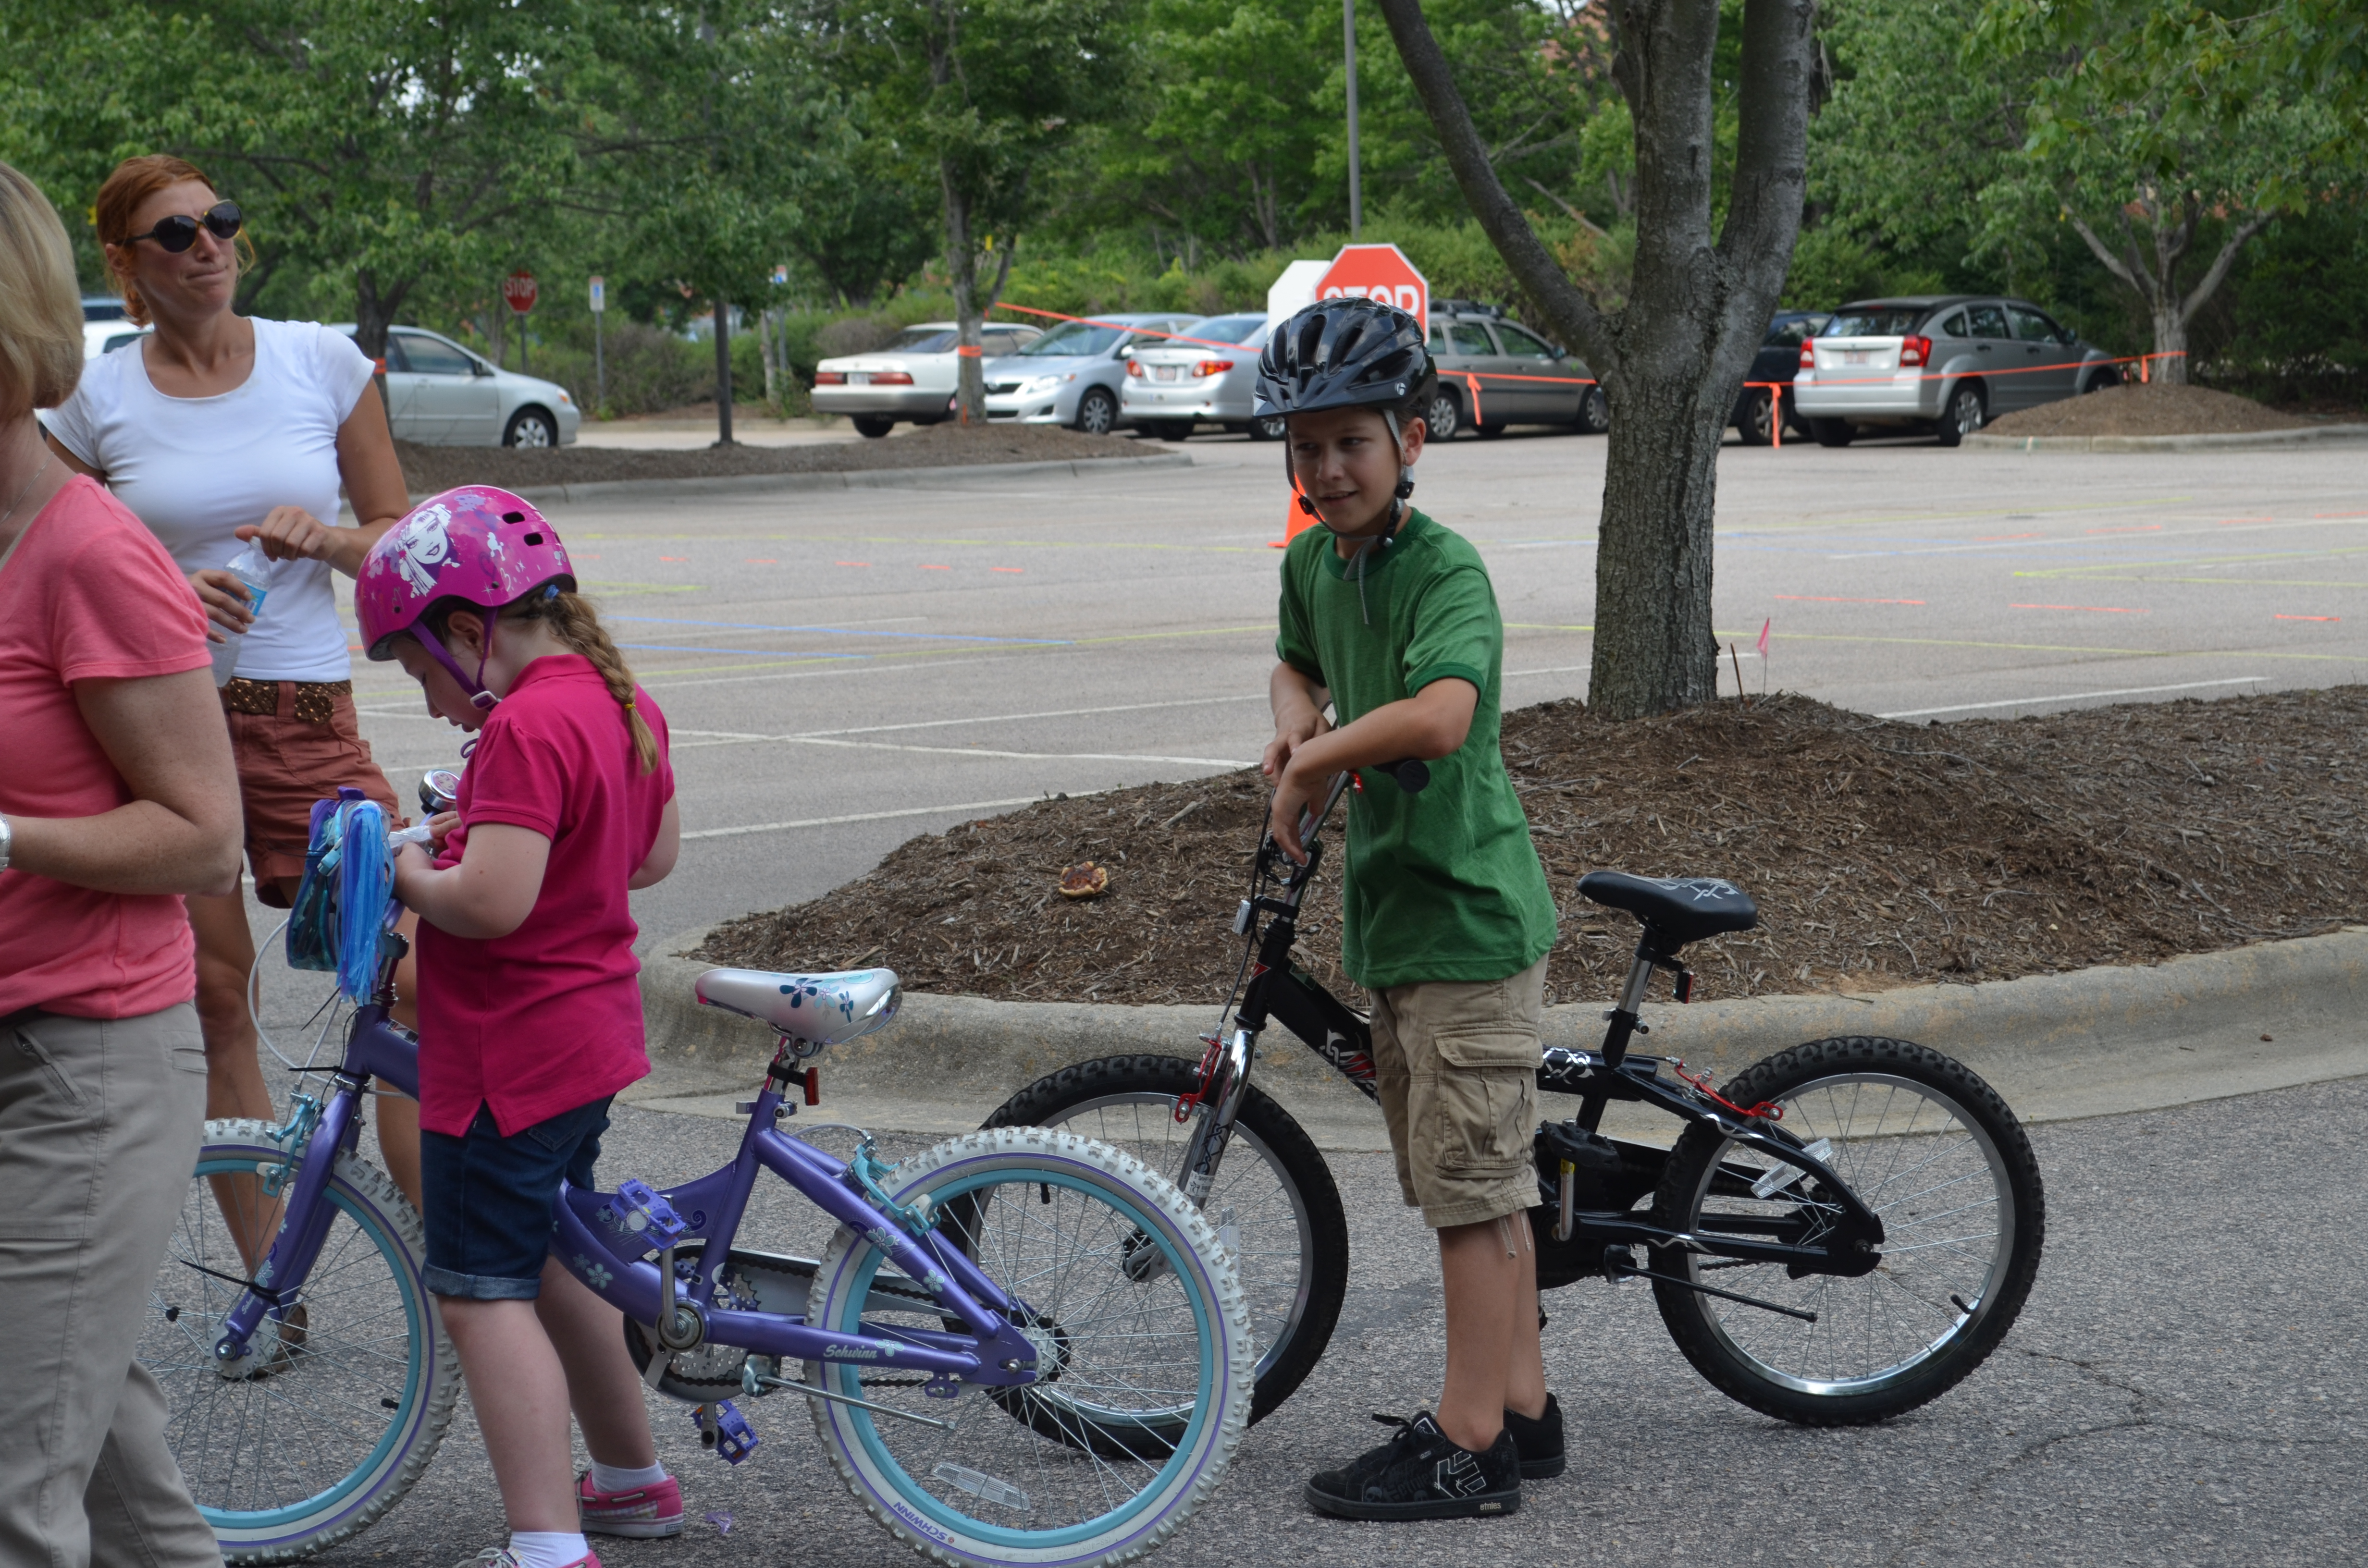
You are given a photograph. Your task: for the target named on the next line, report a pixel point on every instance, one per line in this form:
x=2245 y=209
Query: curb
x=851 y=479
x=2244 y=441
x=2093 y=1042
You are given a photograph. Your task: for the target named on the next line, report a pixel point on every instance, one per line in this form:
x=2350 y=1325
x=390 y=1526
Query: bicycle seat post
x=1653 y=951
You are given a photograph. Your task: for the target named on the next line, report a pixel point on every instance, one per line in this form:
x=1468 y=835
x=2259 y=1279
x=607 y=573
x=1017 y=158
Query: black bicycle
x=1842 y=1231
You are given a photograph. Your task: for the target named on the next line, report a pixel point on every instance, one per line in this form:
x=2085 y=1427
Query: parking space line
x=2071 y=696
x=874 y=816
x=702 y=739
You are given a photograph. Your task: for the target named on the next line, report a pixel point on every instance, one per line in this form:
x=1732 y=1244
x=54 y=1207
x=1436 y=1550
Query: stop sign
x=1377 y=272
x=518 y=290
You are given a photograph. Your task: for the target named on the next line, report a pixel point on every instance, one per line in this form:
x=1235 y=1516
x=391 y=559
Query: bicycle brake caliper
x=1187 y=1103
x=304 y=1116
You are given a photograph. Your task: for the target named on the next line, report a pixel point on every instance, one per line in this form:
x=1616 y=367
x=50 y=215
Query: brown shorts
x=303 y=751
x=1457 y=1066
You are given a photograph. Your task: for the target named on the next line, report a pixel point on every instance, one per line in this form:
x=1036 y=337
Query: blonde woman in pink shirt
x=122 y=799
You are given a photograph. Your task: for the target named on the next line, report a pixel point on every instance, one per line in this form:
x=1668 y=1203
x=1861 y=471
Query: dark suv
x=1494 y=373
x=1779 y=356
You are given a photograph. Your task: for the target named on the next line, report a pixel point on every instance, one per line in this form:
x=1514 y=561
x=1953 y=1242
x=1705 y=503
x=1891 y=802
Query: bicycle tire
x=1917 y=1174
x=310 y=1404
x=1071 y=1263
x=1292 y=1320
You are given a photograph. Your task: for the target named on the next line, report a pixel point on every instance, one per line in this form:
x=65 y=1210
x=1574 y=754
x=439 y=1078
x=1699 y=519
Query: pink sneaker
x=645 y=1512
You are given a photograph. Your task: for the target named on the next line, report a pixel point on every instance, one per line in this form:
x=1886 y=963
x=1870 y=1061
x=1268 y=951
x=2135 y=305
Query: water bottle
x=253 y=568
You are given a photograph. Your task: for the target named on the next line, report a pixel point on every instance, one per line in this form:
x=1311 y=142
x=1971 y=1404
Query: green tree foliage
x=990 y=96
x=2149 y=152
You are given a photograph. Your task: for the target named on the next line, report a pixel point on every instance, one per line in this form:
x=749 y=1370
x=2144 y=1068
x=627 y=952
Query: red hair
x=133 y=182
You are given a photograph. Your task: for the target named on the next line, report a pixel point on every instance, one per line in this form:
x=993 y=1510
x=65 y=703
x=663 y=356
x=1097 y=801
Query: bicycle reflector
x=339 y=913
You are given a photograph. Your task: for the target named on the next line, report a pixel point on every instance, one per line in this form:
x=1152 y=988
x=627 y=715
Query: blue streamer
x=365 y=886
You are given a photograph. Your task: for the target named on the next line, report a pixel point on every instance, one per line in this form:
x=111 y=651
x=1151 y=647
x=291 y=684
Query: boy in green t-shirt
x=1391 y=619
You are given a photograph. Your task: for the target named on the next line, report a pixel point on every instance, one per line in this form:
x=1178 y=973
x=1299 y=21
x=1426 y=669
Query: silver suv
x=1947 y=363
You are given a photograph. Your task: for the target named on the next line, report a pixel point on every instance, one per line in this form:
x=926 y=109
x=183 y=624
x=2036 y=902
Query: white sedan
x=910 y=378
x=440 y=394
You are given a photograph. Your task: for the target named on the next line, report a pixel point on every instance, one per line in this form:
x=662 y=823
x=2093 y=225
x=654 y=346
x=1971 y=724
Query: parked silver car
x=440 y=394
x=1171 y=388
x=1493 y=372
x=1072 y=374
x=1947 y=363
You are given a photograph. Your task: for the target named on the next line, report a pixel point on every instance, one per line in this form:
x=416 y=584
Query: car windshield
x=1076 y=338
x=919 y=340
x=1788 y=333
x=1874 y=320
x=1243 y=330
x=102 y=310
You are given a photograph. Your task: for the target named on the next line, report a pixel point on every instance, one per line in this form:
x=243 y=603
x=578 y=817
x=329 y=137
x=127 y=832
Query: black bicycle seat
x=1683 y=909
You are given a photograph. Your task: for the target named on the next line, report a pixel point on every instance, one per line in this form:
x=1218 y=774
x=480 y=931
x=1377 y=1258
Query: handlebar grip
x=1413 y=773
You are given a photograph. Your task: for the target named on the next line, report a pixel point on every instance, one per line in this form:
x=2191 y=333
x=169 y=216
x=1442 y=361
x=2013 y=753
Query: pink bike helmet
x=482 y=546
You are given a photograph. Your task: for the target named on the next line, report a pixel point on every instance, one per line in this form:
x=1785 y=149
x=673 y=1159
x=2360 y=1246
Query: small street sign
x=599 y=295
x=1377 y=272
x=519 y=291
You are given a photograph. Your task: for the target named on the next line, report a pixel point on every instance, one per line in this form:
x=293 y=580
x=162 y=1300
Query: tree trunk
x=723 y=372
x=962 y=266
x=1672 y=359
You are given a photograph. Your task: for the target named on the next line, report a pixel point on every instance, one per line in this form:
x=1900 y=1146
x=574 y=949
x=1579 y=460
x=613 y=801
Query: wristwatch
x=5 y=839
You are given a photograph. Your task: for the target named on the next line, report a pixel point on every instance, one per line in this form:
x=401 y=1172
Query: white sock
x=548 y=1549
x=622 y=1478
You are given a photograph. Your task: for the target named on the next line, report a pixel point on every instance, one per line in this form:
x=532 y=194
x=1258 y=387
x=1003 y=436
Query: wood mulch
x=1880 y=852
x=428 y=469
x=2138 y=408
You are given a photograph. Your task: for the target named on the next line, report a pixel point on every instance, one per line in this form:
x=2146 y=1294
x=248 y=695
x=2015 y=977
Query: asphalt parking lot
x=845 y=669
x=2183 y=1388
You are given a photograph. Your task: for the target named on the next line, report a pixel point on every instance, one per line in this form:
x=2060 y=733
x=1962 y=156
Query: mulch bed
x=2138 y=408
x=430 y=469
x=1880 y=853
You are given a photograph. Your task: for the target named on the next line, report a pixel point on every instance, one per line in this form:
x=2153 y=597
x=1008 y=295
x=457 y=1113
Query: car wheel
x=1832 y=432
x=1594 y=412
x=1170 y=429
x=2106 y=378
x=1962 y=416
x=531 y=428
x=1758 y=424
x=872 y=425
x=1273 y=428
x=1445 y=418
x=1097 y=411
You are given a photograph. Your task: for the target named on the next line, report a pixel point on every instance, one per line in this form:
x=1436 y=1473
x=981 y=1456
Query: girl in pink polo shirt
x=530 y=1012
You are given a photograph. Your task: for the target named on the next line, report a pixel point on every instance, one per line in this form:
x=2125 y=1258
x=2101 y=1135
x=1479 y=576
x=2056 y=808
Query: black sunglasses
x=179 y=232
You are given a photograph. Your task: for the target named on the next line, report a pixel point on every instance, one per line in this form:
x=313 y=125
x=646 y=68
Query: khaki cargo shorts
x=1456 y=1062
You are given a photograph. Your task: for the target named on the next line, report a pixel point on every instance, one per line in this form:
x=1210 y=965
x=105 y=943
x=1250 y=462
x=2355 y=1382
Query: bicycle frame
x=608 y=1260
x=1848 y=1243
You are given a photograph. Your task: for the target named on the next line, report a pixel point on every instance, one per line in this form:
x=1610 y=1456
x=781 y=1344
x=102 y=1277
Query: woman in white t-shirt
x=216 y=430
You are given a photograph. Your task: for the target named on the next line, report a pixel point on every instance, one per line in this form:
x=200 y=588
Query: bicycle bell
x=439 y=792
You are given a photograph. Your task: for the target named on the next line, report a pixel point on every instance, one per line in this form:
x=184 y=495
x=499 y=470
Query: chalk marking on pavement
x=829 y=631
x=2072 y=696
x=873 y=816
x=728 y=738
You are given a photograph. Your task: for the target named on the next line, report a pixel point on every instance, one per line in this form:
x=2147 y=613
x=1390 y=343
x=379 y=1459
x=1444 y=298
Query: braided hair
x=572 y=620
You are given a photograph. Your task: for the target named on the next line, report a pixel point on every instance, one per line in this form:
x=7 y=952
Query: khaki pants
x=1456 y=1064
x=100 y=1121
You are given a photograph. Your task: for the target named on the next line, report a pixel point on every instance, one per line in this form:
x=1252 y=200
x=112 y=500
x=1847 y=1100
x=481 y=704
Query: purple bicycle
x=990 y=1348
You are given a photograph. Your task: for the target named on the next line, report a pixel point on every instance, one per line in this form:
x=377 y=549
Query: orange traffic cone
x=1296 y=521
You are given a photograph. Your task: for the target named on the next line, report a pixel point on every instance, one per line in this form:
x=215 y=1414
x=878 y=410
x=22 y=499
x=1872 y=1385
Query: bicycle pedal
x=638 y=1212
x=723 y=1429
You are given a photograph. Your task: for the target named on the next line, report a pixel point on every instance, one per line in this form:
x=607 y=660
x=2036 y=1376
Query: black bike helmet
x=1347 y=353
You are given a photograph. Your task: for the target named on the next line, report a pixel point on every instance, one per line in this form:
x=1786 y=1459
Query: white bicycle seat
x=821 y=1009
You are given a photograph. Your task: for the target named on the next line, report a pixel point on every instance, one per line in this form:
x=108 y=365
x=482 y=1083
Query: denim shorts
x=489 y=1200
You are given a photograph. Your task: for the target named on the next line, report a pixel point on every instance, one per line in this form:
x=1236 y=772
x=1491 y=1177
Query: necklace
x=27 y=491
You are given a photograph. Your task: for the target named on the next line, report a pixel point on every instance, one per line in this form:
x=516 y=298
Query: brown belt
x=315 y=701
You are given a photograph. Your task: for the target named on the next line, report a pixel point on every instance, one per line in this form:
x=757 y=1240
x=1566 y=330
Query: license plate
x=1163 y=372
x=859 y=378
x=1857 y=356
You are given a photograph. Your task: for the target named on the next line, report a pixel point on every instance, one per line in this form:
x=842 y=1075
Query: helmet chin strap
x=479 y=698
